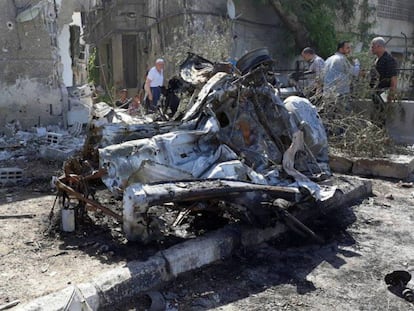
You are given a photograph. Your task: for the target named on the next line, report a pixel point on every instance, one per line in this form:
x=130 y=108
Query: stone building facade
x=130 y=35
x=38 y=43
x=35 y=61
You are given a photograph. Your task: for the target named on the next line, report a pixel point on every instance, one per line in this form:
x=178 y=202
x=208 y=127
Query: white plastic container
x=68 y=220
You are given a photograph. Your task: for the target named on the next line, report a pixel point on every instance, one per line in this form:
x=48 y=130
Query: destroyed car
x=233 y=146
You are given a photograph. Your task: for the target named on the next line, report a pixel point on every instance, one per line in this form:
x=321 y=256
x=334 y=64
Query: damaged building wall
x=207 y=29
x=34 y=59
x=29 y=77
x=79 y=51
x=170 y=29
x=113 y=27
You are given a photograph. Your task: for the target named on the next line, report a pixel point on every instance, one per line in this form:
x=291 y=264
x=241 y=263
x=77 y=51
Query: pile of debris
x=233 y=147
x=19 y=148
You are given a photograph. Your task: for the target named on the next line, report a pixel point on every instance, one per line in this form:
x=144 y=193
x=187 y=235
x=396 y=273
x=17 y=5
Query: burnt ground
x=363 y=243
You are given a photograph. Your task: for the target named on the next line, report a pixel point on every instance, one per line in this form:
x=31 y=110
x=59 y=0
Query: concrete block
x=56 y=301
x=253 y=236
x=398 y=166
x=340 y=164
x=58 y=153
x=126 y=282
x=199 y=252
x=400 y=123
x=53 y=138
x=91 y=295
x=10 y=175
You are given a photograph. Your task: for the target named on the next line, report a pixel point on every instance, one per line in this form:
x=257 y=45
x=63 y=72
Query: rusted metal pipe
x=70 y=191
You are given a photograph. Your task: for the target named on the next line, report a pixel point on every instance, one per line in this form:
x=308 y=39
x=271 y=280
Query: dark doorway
x=129 y=57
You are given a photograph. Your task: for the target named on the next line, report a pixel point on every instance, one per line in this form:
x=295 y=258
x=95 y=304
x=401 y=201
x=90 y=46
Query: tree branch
x=291 y=21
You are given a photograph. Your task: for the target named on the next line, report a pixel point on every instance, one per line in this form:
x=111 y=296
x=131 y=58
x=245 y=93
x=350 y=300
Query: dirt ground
x=36 y=258
x=363 y=243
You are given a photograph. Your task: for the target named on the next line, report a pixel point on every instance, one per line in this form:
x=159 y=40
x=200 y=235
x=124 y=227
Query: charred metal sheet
x=188 y=190
x=113 y=126
x=178 y=155
x=306 y=118
x=234 y=127
x=202 y=96
x=139 y=197
x=196 y=69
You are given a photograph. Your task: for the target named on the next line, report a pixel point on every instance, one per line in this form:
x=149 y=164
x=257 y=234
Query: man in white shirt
x=154 y=82
x=338 y=71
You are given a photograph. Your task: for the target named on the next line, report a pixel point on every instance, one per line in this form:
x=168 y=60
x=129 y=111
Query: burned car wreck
x=233 y=146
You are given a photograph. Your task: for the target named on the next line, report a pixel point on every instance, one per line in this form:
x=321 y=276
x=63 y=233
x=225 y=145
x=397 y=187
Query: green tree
x=312 y=22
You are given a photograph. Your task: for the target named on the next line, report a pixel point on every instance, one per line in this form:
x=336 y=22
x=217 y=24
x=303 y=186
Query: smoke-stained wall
x=176 y=27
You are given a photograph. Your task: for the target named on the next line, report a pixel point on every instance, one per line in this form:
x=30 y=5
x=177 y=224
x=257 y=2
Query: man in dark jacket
x=383 y=76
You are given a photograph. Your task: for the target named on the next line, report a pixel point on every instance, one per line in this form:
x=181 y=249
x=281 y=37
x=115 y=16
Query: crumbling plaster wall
x=176 y=27
x=32 y=91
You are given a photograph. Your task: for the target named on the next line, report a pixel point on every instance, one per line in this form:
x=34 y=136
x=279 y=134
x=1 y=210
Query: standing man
x=339 y=72
x=154 y=82
x=384 y=76
x=316 y=64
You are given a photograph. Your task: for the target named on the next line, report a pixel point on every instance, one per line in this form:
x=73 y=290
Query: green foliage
x=320 y=24
x=95 y=78
x=365 y=23
x=288 y=48
x=319 y=18
x=93 y=68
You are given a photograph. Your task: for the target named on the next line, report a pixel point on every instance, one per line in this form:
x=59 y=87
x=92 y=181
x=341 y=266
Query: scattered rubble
x=232 y=145
x=237 y=141
x=263 y=158
x=50 y=144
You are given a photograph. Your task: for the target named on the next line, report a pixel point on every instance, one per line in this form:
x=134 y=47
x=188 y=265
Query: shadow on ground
x=284 y=261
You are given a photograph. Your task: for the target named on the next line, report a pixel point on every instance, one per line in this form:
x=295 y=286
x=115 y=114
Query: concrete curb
x=123 y=283
x=393 y=166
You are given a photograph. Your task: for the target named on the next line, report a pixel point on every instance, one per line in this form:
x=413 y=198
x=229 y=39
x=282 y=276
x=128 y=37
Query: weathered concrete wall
x=32 y=58
x=171 y=28
x=176 y=32
x=204 y=28
x=401 y=122
x=29 y=79
x=106 y=24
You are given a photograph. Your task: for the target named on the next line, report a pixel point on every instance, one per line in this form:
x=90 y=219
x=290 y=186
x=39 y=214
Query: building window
x=396 y=9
